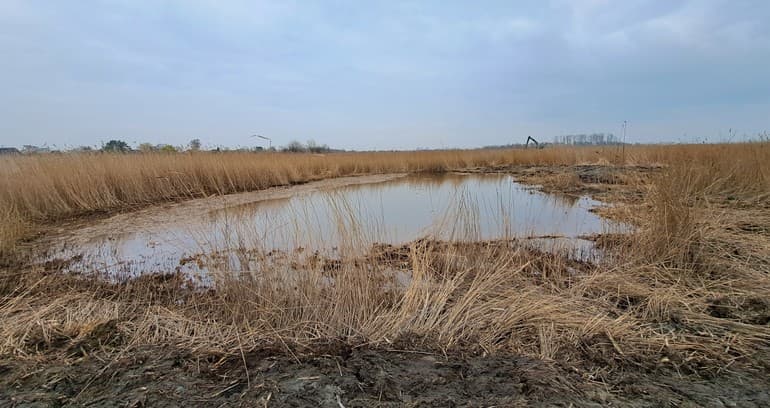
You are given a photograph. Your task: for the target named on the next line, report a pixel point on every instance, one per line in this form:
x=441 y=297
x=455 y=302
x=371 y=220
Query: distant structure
x=9 y=151
x=532 y=139
x=593 y=139
x=269 y=140
x=32 y=149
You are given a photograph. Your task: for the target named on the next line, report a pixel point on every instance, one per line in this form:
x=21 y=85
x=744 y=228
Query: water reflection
x=447 y=206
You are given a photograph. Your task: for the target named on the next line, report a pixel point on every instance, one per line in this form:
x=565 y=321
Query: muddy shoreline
x=603 y=183
x=397 y=209
x=135 y=221
x=358 y=377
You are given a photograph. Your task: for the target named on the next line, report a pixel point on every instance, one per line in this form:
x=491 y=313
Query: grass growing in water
x=691 y=286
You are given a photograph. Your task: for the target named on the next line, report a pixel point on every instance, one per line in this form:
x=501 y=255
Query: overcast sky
x=380 y=75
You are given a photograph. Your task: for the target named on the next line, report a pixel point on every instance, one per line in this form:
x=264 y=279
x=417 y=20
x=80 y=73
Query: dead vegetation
x=38 y=190
x=688 y=291
x=12 y=229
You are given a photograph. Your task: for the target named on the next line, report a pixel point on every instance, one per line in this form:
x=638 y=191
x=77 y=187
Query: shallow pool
x=467 y=207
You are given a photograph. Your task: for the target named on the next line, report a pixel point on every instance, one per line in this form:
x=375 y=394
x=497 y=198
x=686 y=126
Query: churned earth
x=341 y=376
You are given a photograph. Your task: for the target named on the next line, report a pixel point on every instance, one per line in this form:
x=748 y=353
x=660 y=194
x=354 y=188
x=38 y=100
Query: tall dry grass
x=697 y=271
x=691 y=285
x=53 y=186
x=46 y=188
x=12 y=229
x=50 y=187
x=698 y=190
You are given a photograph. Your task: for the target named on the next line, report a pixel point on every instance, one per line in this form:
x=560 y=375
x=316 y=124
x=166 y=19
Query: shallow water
x=448 y=206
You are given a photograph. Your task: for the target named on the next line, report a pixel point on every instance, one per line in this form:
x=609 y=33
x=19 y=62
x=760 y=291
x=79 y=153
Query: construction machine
x=532 y=139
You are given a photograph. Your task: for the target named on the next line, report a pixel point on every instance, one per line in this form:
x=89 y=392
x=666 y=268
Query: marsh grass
x=687 y=290
x=41 y=189
x=47 y=188
x=12 y=228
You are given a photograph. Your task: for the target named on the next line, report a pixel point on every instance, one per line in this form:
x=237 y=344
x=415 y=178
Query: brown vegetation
x=688 y=291
x=45 y=188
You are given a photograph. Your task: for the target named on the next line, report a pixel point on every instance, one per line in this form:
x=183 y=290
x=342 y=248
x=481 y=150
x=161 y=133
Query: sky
x=381 y=74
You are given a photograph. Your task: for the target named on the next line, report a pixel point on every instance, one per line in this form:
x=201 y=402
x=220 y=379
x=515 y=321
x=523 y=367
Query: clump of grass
x=12 y=228
x=690 y=257
x=566 y=182
x=673 y=235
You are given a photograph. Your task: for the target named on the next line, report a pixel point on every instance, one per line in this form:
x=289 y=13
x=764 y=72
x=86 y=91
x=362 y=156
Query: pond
x=342 y=217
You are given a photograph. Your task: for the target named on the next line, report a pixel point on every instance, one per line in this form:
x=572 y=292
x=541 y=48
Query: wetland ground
x=677 y=315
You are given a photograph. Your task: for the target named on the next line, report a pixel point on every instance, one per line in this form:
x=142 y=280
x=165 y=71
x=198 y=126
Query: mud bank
x=346 y=377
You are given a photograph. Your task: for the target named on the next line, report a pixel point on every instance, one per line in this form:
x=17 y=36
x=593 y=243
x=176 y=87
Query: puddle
x=339 y=218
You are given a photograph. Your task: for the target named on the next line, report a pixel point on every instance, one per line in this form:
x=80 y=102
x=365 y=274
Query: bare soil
x=341 y=376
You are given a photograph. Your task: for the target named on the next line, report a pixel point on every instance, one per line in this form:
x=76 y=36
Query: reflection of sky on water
x=449 y=206
x=484 y=206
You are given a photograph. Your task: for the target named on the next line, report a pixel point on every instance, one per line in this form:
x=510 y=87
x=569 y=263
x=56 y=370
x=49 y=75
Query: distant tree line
x=195 y=145
x=310 y=147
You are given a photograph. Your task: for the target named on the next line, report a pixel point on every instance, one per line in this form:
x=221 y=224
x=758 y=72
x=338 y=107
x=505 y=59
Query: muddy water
x=335 y=217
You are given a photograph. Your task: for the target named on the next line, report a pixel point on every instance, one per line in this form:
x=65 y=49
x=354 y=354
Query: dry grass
x=52 y=187
x=484 y=298
x=45 y=188
x=12 y=229
x=688 y=289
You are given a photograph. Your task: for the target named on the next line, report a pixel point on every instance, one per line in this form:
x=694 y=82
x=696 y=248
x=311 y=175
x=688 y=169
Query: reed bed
x=50 y=187
x=688 y=289
x=36 y=190
x=12 y=229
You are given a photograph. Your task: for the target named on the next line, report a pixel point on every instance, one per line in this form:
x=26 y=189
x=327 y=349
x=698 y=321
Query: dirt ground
x=345 y=377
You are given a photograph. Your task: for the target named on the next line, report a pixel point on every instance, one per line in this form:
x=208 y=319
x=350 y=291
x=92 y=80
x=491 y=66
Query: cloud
x=379 y=75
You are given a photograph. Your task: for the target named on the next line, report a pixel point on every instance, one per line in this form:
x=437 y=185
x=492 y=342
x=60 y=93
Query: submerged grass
x=688 y=290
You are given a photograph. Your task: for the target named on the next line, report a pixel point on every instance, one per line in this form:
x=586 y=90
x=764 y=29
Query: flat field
x=675 y=311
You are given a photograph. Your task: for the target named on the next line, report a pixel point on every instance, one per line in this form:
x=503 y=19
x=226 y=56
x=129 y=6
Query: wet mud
x=356 y=377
